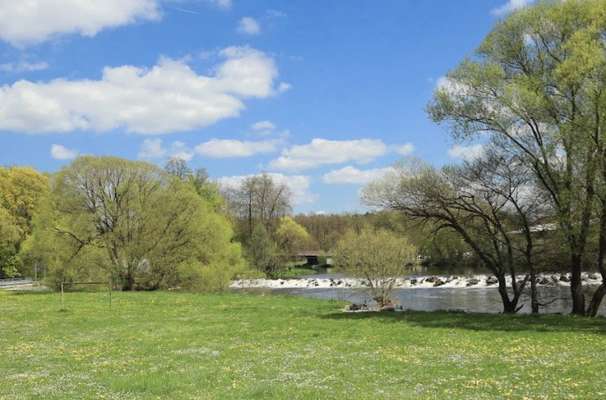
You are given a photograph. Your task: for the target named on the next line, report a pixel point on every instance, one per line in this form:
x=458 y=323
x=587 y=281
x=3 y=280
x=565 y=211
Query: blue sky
x=324 y=95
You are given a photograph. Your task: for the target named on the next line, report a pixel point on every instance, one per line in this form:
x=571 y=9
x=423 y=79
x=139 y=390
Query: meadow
x=157 y=345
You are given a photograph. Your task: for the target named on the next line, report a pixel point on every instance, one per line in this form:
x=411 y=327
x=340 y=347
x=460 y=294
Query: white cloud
x=273 y=13
x=284 y=87
x=23 y=66
x=60 y=152
x=510 y=6
x=353 y=175
x=466 y=153
x=170 y=97
x=405 y=149
x=26 y=22
x=230 y=148
x=249 y=26
x=153 y=149
x=180 y=150
x=263 y=126
x=322 y=151
x=226 y=4
x=298 y=185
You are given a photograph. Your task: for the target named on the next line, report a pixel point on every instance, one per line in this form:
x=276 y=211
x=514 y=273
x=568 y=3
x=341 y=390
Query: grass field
x=237 y=346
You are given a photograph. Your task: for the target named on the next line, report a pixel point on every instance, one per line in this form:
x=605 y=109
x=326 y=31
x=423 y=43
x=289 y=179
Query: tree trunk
x=509 y=307
x=576 y=287
x=596 y=300
x=128 y=282
x=598 y=295
x=534 y=300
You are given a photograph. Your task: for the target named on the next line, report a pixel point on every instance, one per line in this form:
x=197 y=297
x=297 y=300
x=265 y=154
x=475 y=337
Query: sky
x=324 y=96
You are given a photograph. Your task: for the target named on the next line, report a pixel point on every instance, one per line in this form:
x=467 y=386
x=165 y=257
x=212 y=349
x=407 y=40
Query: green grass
x=245 y=346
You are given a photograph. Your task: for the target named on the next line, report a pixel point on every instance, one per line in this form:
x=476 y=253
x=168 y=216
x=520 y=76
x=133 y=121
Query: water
x=481 y=300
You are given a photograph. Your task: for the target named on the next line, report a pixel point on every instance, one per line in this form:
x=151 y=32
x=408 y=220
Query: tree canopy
x=130 y=221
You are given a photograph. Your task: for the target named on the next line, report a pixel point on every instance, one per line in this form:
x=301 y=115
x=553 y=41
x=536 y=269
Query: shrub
x=378 y=256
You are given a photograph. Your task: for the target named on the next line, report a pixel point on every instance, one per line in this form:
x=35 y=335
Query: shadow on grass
x=482 y=322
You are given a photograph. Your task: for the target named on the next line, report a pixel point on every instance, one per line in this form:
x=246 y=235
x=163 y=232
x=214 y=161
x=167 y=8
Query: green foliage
x=109 y=217
x=21 y=189
x=378 y=256
x=192 y=275
x=536 y=87
x=263 y=253
x=291 y=236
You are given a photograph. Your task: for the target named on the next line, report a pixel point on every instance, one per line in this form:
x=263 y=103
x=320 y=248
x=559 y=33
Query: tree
x=198 y=178
x=479 y=201
x=21 y=190
x=258 y=200
x=291 y=237
x=10 y=236
x=538 y=84
x=326 y=229
x=178 y=167
x=262 y=252
x=129 y=220
x=378 y=256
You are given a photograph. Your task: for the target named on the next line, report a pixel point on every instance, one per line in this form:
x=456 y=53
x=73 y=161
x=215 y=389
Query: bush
x=194 y=276
x=378 y=256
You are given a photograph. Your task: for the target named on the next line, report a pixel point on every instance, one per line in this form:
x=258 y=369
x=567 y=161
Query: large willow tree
x=132 y=222
x=537 y=85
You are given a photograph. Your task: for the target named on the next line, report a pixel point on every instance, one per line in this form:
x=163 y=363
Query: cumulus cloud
x=154 y=149
x=510 y=6
x=60 y=152
x=230 y=148
x=298 y=185
x=355 y=176
x=169 y=97
x=322 y=151
x=405 y=149
x=249 y=26
x=23 y=66
x=26 y=22
x=466 y=153
x=263 y=126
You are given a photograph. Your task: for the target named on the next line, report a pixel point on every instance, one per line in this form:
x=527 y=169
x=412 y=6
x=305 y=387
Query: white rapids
x=430 y=281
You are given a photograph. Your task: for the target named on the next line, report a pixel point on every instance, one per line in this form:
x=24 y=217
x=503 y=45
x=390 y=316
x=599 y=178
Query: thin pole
x=62 y=300
x=110 y=292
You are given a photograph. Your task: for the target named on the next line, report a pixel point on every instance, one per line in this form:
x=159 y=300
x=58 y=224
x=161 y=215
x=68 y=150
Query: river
x=454 y=295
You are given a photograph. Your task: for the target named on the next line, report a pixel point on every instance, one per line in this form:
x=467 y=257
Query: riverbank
x=243 y=346
x=429 y=281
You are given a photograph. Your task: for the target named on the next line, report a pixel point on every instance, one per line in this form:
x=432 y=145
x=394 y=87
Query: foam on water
x=431 y=281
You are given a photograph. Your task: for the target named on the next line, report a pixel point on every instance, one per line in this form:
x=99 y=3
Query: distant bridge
x=313 y=257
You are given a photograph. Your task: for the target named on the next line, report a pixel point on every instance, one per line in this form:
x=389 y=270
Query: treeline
x=141 y=227
x=444 y=250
